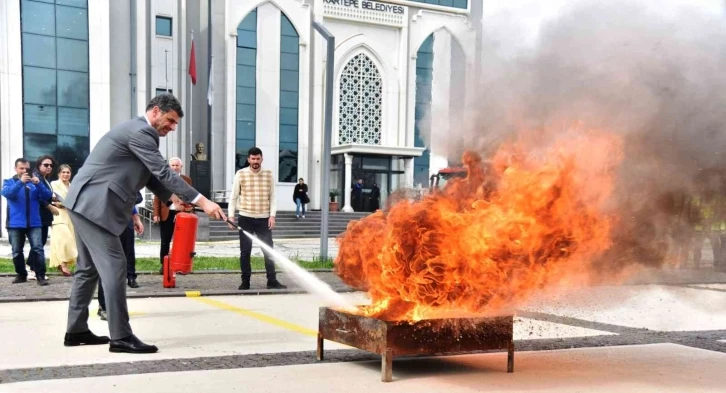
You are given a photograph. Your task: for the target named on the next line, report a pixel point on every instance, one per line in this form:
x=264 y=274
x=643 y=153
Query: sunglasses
x=48 y=165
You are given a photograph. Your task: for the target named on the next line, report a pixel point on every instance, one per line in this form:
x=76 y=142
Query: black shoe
x=132 y=283
x=42 y=282
x=131 y=344
x=274 y=284
x=20 y=279
x=244 y=286
x=86 y=338
x=102 y=314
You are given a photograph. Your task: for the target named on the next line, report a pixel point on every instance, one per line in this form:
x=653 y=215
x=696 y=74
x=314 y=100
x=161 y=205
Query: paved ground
x=664 y=331
x=638 y=338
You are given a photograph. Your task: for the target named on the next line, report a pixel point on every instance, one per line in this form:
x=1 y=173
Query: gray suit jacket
x=124 y=161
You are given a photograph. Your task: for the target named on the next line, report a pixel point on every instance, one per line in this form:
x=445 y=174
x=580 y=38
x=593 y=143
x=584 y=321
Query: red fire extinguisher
x=181 y=256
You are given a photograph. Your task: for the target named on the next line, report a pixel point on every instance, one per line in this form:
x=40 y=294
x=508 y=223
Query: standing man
x=24 y=194
x=99 y=204
x=165 y=212
x=253 y=198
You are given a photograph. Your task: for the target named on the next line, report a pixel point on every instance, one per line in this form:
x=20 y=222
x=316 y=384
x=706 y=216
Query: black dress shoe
x=86 y=338
x=43 y=282
x=244 y=286
x=20 y=279
x=131 y=344
x=132 y=283
x=274 y=284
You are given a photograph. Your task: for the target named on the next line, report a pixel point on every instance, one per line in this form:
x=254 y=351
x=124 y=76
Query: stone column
x=348 y=181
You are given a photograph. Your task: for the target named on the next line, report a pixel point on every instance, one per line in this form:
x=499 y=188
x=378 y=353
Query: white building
x=70 y=69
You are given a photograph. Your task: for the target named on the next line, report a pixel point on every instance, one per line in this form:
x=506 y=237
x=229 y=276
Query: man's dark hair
x=254 y=151
x=43 y=158
x=21 y=160
x=166 y=102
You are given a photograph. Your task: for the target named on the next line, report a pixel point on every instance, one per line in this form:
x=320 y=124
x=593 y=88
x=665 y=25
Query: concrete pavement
x=639 y=338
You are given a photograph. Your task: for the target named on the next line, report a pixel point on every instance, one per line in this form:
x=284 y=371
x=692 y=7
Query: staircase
x=289 y=227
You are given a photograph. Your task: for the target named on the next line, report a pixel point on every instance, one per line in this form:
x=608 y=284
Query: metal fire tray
x=446 y=336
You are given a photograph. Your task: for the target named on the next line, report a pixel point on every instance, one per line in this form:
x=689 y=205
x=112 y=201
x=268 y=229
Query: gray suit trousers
x=99 y=254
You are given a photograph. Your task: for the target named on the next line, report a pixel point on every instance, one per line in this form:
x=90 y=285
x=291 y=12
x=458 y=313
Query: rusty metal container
x=445 y=336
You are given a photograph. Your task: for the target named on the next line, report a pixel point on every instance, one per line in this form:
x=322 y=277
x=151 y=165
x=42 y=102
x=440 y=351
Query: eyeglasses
x=48 y=165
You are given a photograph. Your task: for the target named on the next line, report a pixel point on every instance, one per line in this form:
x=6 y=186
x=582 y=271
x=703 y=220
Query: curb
x=249 y=292
x=156 y=272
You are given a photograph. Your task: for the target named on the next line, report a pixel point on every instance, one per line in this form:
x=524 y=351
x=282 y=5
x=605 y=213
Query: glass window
x=163 y=26
x=246 y=95
x=246 y=76
x=38 y=50
x=288 y=134
x=247 y=39
x=249 y=22
x=287 y=28
x=246 y=88
x=246 y=112
x=73 y=3
x=288 y=116
x=55 y=59
x=73 y=89
x=288 y=99
x=289 y=44
x=289 y=80
x=445 y=3
x=71 y=22
x=72 y=150
x=424 y=72
x=73 y=121
x=38 y=18
x=289 y=61
x=73 y=55
x=246 y=129
x=39 y=85
x=35 y=145
x=246 y=56
x=160 y=91
x=459 y=4
x=39 y=119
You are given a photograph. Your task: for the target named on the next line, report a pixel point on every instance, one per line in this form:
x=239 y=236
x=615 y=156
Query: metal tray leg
x=387 y=366
x=319 y=354
x=510 y=356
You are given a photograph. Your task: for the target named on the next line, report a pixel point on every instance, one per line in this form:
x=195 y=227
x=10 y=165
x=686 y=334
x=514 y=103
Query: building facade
x=70 y=69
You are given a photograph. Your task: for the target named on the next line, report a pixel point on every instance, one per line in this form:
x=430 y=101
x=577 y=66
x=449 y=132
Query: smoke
x=652 y=72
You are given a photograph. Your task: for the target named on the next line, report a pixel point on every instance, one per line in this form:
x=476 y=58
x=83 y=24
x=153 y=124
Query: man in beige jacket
x=253 y=199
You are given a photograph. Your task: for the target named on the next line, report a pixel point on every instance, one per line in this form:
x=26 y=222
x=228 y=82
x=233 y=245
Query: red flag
x=193 y=65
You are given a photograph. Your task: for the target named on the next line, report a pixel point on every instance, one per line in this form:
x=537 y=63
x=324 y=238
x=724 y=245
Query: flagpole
x=191 y=108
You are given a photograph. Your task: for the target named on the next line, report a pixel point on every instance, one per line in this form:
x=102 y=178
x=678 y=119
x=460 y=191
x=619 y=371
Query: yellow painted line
x=193 y=293
x=258 y=316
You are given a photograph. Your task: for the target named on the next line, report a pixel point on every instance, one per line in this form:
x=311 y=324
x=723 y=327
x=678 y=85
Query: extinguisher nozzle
x=230 y=222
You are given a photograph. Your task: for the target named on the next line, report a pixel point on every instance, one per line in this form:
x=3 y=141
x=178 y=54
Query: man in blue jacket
x=23 y=194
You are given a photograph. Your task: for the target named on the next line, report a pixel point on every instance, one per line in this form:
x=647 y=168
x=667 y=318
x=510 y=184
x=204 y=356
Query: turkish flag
x=193 y=65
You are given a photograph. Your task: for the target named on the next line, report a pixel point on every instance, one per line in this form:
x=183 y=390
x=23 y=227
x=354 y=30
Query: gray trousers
x=99 y=254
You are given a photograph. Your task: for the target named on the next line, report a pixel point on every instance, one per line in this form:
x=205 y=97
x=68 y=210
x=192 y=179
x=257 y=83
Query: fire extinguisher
x=181 y=256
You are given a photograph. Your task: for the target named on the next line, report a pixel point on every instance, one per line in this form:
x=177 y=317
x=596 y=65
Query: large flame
x=531 y=216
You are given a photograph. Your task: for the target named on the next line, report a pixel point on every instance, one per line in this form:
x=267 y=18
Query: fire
x=533 y=216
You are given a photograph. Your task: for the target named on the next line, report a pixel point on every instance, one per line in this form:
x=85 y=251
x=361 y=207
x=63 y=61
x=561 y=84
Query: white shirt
x=194 y=201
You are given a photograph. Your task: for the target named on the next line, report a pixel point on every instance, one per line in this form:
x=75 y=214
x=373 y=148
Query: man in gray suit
x=99 y=203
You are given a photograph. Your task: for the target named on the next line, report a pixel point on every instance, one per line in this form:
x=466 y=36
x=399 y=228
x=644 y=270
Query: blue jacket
x=24 y=203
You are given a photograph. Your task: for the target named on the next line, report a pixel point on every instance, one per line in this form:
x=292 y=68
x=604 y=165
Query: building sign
x=368 y=5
